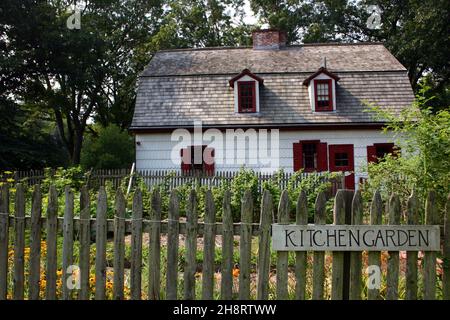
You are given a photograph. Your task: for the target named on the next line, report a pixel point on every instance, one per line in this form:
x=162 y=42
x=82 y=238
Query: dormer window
x=246 y=96
x=322 y=90
x=323 y=95
x=246 y=88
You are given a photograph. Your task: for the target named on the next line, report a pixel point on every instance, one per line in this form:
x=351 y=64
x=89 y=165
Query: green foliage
x=111 y=148
x=424 y=161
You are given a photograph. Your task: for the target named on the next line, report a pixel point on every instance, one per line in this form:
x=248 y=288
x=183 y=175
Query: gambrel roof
x=181 y=86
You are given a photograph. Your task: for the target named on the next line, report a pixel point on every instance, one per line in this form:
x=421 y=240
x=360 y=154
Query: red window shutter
x=322 y=158
x=371 y=154
x=208 y=159
x=298 y=156
x=185 y=159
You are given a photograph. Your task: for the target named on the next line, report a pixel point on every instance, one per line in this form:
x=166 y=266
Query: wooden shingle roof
x=181 y=86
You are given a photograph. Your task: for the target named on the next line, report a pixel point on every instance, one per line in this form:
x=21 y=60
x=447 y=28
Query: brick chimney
x=268 y=39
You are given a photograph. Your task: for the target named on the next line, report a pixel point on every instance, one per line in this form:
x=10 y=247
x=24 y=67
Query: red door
x=341 y=158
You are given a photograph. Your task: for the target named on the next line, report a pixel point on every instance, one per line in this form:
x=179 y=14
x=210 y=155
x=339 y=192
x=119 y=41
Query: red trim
x=371 y=154
x=297 y=155
x=343 y=148
x=322 y=157
x=253 y=86
x=245 y=72
x=320 y=71
x=330 y=95
x=321 y=149
x=372 y=151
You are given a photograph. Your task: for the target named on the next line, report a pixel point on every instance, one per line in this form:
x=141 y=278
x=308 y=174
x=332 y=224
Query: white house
x=267 y=107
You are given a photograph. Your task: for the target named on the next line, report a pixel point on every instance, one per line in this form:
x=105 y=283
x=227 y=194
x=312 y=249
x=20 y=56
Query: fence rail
x=171 y=178
x=19 y=253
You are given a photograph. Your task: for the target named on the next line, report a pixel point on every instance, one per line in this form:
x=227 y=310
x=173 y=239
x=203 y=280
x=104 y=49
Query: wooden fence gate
x=32 y=269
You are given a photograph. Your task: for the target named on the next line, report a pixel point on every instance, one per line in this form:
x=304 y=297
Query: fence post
x=85 y=243
x=301 y=218
x=4 y=237
x=245 y=243
x=393 y=260
x=411 y=258
x=100 y=245
x=355 y=257
x=337 y=282
x=319 y=256
x=119 y=245
x=446 y=258
x=35 y=244
x=429 y=268
x=172 y=246
x=19 y=242
x=376 y=214
x=52 y=216
x=226 y=287
x=262 y=289
x=136 y=246
x=67 y=242
x=191 y=247
x=154 y=258
x=282 y=256
x=209 y=240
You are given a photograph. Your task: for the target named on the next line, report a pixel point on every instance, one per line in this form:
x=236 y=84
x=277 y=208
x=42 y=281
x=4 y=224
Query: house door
x=341 y=158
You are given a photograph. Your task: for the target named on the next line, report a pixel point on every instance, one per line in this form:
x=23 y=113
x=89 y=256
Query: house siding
x=154 y=151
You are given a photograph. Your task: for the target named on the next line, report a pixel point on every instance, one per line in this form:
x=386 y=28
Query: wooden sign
x=288 y=237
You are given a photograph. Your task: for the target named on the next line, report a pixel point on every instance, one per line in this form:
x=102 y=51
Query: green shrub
x=112 y=148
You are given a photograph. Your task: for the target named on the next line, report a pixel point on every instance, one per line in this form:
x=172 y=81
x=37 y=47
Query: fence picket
x=429 y=268
x=356 y=257
x=262 y=289
x=393 y=260
x=191 y=247
x=245 y=245
x=319 y=256
x=4 y=239
x=376 y=214
x=411 y=258
x=85 y=242
x=35 y=244
x=337 y=276
x=172 y=246
x=136 y=246
x=226 y=287
x=100 y=245
x=282 y=256
x=154 y=256
x=209 y=240
x=67 y=242
x=446 y=253
x=119 y=245
x=19 y=243
x=52 y=216
x=301 y=218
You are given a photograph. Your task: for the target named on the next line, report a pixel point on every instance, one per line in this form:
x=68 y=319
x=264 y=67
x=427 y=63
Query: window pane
x=341 y=159
x=309 y=156
x=322 y=92
x=246 y=96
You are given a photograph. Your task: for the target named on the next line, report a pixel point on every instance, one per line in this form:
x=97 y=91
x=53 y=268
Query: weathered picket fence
x=346 y=279
x=171 y=178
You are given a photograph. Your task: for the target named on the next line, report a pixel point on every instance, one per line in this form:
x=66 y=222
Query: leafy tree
x=424 y=160
x=76 y=75
x=27 y=139
x=112 y=148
